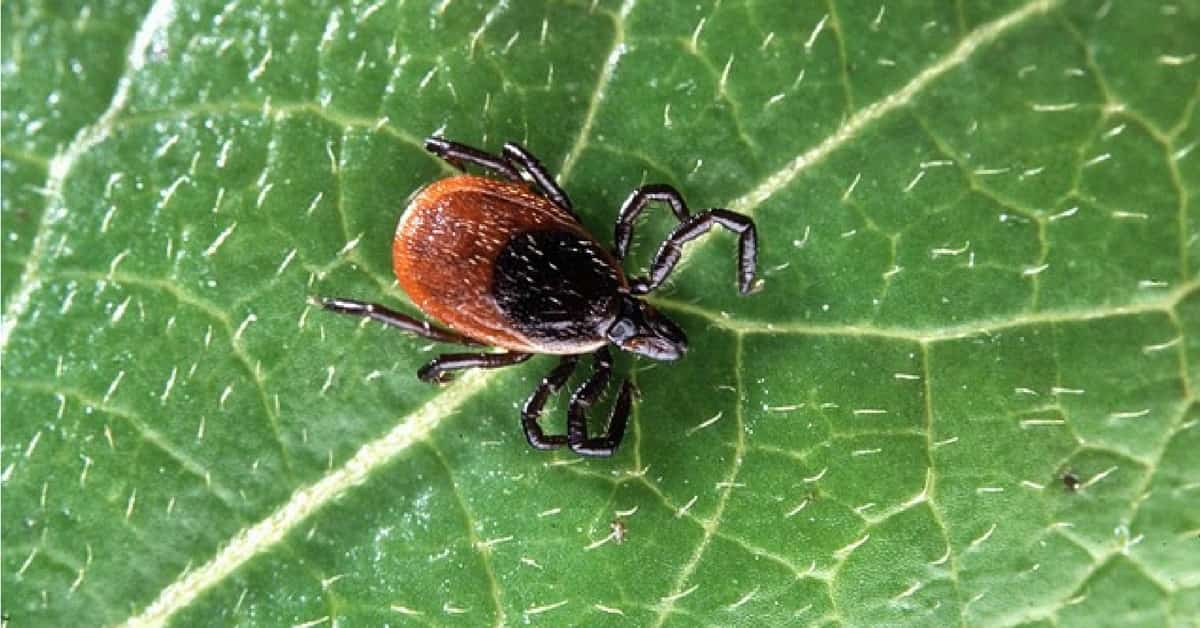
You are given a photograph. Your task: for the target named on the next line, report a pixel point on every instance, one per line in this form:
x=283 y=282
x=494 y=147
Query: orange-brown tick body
x=507 y=267
x=507 y=263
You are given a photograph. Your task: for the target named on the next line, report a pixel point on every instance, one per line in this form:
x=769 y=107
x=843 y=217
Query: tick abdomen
x=505 y=266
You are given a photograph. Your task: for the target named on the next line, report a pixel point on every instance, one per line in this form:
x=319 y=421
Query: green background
x=979 y=227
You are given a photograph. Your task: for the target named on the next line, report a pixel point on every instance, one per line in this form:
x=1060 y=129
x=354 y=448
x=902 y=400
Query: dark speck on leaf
x=1071 y=481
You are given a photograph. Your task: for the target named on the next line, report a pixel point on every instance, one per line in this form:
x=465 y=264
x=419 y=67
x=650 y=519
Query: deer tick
x=503 y=261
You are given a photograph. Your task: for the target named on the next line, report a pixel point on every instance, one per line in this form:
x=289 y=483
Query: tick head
x=640 y=329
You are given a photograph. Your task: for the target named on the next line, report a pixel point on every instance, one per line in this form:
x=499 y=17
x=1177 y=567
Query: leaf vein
x=306 y=501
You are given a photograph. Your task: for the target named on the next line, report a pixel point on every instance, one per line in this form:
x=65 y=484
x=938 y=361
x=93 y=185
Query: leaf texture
x=965 y=395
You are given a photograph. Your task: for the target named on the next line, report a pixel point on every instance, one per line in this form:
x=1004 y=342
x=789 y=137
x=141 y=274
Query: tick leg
x=606 y=445
x=633 y=206
x=437 y=371
x=533 y=406
x=458 y=154
x=586 y=395
x=516 y=154
x=694 y=227
x=395 y=319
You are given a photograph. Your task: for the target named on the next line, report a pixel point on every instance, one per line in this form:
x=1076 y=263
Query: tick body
x=504 y=262
x=507 y=267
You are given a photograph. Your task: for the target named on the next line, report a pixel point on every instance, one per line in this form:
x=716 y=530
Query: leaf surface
x=965 y=394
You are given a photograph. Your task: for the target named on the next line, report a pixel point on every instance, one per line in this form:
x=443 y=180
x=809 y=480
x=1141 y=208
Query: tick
x=505 y=262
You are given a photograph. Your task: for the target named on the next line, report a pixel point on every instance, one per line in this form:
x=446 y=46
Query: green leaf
x=966 y=393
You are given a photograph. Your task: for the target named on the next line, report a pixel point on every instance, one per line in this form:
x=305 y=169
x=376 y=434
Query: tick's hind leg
x=395 y=319
x=537 y=401
x=458 y=154
x=438 y=370
x=585 y=396
x=510 y=164
x=517 y=154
